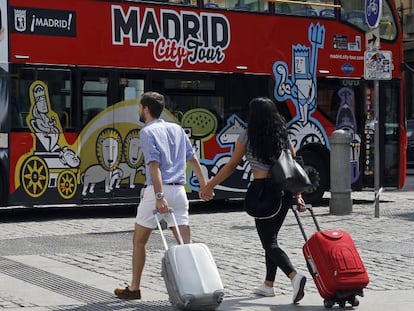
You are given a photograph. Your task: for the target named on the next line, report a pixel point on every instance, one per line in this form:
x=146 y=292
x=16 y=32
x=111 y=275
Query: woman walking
x=264 y=138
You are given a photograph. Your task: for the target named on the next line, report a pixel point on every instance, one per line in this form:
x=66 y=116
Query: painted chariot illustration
x=52 y=164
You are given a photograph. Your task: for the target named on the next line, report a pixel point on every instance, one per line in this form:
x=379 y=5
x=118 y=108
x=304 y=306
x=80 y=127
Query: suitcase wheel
x=354 y=301
x=328 y=303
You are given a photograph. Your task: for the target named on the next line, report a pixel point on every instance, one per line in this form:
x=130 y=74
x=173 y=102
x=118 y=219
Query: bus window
x=184 y=2
x=353 y=11
x=211 y=4
x=20 y=100
x=130 y=88
x=322 y=8
x=388 y=27
x=59 y=89
x=239 y=5
x=94 y=96
x=333 y=95
x=180 y=104
x=214 y=4
x=184 y=94
x=282 y=8
x=248 y=5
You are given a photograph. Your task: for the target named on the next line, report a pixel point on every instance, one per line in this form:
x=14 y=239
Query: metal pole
x=376 y=150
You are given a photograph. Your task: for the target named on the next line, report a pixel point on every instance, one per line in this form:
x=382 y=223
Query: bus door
x=340 y=105
x=202 y=104
x=349 y=104
x=390 y=133
x=112 y=162
x=4 y=134
x=129 y=175
x=196 y=102
x=100 y=144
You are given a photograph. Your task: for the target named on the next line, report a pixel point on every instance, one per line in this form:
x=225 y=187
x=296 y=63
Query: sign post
x=377 y=65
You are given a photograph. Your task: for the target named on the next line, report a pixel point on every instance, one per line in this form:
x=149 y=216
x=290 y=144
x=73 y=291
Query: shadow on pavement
x=53 y=213
x=406 y=216
x=247 y=303
x=216 y=206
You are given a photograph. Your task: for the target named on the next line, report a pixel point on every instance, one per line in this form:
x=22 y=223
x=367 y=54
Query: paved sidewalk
x=79 y=280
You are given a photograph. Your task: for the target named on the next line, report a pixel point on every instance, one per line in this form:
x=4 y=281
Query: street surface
x=72 y=259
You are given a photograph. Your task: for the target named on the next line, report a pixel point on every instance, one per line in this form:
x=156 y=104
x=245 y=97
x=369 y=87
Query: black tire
x=317 y=172
x=328 y=304
x=354 y=301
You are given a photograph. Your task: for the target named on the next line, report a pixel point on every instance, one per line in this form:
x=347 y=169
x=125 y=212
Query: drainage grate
x=93 y=298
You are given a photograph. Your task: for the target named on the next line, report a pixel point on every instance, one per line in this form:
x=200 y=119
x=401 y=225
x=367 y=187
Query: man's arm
x=195 y=164
x=154 y=169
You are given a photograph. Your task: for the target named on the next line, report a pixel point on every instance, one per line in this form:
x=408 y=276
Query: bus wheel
x=35 y=176
x=316 y=173
x=67 y=185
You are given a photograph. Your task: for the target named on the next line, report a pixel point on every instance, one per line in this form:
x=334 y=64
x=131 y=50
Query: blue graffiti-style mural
x=301 y=89
x=227 y=137
x=345 y=120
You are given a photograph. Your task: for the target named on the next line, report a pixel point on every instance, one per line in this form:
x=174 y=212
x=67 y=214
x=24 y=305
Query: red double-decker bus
x=72 y=70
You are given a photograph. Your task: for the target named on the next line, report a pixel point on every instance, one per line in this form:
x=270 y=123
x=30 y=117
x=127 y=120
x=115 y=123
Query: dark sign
x=340 y=42
x=43 y=22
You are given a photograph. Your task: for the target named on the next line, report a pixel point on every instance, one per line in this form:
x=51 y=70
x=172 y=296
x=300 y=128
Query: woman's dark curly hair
x=266 y=131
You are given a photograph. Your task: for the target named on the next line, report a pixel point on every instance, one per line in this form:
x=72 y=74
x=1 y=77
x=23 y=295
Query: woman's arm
x=226 y=170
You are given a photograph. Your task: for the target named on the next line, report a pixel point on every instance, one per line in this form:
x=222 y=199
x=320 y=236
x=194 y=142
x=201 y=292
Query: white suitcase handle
x=164 y=241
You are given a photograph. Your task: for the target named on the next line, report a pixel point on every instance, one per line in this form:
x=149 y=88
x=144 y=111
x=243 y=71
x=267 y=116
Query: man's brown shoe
x=125 y=293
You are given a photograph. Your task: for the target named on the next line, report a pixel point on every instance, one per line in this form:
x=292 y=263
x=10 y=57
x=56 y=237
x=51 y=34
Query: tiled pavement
x=84 y=280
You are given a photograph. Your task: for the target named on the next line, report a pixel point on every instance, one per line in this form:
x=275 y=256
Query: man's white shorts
x=177 y=200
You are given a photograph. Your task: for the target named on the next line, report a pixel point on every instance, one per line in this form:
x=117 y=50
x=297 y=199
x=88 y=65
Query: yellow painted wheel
x=35 y=176
x=66 y=184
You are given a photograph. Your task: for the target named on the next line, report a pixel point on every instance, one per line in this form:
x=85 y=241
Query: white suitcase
x=191 y=276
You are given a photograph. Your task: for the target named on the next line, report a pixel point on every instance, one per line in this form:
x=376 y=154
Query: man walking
x=166 y=150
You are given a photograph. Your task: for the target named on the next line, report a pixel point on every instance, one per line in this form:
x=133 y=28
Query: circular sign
x=373 y=12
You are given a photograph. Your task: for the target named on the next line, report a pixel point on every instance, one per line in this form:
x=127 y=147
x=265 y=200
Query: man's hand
x=162 y=206
x=205 y=193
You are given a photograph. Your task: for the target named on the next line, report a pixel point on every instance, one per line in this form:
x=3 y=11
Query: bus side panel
x=44 y=161
x=4 y=135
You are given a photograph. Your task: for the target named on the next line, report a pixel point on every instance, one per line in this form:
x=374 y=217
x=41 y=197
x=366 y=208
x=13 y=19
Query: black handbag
x=289 y=174
x=262 y=200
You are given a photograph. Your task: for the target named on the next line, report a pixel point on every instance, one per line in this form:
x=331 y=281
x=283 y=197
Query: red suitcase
x=335 y=264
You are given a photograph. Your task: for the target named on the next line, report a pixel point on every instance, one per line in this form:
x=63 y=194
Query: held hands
x=206 y=193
